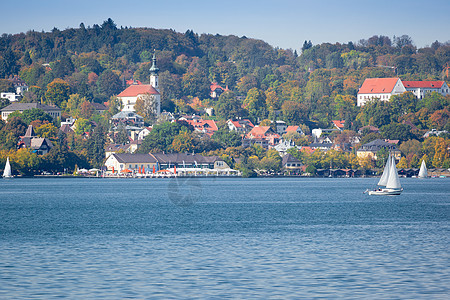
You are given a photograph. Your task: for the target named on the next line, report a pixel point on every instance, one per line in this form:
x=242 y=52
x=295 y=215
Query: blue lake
x=223 y=238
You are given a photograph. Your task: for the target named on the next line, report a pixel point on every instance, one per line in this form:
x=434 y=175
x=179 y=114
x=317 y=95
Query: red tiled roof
x=378 y=85
x=423 y=84
x=339 y=124
x=131 y=81
x=291 y=128
x=136 y=90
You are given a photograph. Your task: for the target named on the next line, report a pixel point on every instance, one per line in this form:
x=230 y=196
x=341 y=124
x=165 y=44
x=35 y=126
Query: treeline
x=312 y=88
x=75 y=67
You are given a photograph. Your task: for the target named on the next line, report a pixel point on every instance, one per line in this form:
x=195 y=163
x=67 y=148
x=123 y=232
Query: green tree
x=255 y=104
x=109 y=83
x=96 y=147
x=183 y=142
x=228 y=106
x=58 y=92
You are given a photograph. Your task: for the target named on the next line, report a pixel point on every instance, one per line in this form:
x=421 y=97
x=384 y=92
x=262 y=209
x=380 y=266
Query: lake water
x=223 y=238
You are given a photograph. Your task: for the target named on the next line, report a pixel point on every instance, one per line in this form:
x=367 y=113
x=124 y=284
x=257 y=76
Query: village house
x=370 y=149
x=204 y=126
x=291 y=165
x=53 y=111
x=379 y=88
x=37 y=144
x=284 y=146
x=264 y=136
x=280 y=127
x=217 y=90
x=294 y=129
x=241 y=126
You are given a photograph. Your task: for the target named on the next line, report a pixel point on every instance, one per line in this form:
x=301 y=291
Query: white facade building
x=379 y=88
x=422 y=88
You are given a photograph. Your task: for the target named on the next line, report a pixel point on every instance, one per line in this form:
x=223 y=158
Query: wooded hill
x=312 y=88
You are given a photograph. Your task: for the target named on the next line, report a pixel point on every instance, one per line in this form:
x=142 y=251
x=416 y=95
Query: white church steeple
x=154 y=74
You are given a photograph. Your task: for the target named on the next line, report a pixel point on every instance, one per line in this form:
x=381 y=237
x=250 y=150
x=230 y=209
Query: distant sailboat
x=7 y=170
x=389 y=180
x=423 y=173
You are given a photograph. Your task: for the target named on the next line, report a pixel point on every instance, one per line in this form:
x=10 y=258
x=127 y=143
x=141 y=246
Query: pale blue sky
x=281 y=23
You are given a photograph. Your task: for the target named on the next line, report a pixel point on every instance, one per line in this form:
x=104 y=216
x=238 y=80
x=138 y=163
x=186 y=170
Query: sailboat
x=423 y=173
x=7 y=170
x=389 y=180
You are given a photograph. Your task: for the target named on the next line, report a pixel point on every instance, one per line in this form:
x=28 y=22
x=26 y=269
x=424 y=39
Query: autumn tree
x=58 y=92
x=255 y=104
x=147 y=106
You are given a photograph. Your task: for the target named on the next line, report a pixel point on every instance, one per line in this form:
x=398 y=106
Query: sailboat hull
x=386 y=192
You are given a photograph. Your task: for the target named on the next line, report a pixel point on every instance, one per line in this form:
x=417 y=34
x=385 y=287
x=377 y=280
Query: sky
x=281 y=23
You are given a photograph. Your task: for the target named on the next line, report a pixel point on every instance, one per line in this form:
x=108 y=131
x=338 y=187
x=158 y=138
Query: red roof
x=240 y=123
x=378 y=85
x=423 y=84
x=207 y=126
x=136 y=90
x=339 y=124
x=291 y=128
x=215 y=86
x=131 y=82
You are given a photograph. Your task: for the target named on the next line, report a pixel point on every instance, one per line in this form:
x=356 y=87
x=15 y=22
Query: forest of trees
x=72 y=68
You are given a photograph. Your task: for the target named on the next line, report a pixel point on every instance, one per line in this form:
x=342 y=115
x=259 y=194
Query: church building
x=135 y=91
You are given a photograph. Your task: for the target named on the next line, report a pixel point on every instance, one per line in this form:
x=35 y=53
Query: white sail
x=423 y=173
x=7 y=171
x=385 y=175
x=393 y=181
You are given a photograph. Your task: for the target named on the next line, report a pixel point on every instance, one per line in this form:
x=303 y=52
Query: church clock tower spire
x=154 y=73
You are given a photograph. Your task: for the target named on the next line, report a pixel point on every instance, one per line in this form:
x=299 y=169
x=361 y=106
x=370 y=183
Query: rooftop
x=378 y=85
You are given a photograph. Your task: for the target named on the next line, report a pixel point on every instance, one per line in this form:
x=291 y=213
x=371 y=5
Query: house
x=205 y=126
x=118 y=162
x=291 y=164
x=12 y=97
x=280 y=127
x=136 y=91
x=123 y=148
x=241 y=126
x=99 y=107
x=339 y=124
x=422 y=88
x=19 y=85
x=127 y=118
x=37 y=144
x=295 y=129
x=379 y=88
x=434 y=132
x=371 y=149
x=326 y=145
x=217 y=90
x=284 y=146
x=66 y=129
x=261 y=135
x=369 y=129
x=144 y=132
x=53 y=111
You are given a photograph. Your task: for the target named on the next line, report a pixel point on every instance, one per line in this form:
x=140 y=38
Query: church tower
x=154 y=74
